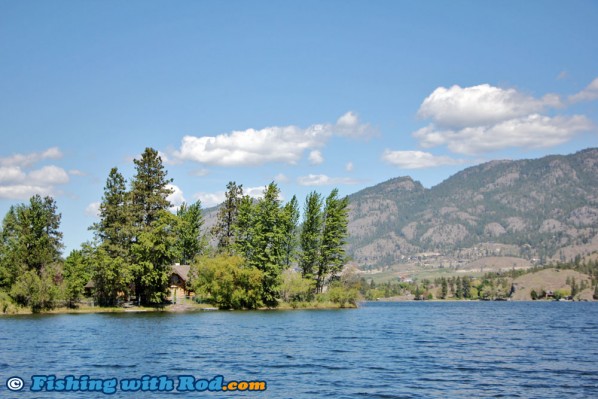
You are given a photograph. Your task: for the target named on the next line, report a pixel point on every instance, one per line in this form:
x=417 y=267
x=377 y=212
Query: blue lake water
x=381 y=350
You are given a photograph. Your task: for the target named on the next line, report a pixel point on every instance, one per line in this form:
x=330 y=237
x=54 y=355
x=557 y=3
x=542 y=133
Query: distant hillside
x=542 y=208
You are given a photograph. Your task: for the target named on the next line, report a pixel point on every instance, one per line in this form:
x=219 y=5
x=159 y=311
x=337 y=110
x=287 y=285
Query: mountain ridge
x=539 y=206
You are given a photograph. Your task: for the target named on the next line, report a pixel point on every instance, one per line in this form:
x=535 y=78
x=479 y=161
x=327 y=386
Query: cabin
x=178 y=283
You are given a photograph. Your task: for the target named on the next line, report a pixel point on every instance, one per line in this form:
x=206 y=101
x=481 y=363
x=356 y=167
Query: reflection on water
x=381 y=350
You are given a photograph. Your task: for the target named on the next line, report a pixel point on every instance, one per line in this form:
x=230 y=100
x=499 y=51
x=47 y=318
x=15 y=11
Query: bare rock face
x=494 y=229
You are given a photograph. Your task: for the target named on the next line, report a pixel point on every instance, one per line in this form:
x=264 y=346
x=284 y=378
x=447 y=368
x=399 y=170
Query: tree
x=227 y=281
x=290 y=220
x=311 y=234
x=150 y=204
x=332 y=255
x=112 y=277
x=444 y=288
x=243 y=228
x=223 y=230
x=149 y=189
x=76 y=273
x=31 y=248
x=267 y=243
x=190 y=240
x=153 y=254
x=39 y=240
x=114 y=227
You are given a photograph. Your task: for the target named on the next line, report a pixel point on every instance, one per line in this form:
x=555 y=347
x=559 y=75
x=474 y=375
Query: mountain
x=543 y=208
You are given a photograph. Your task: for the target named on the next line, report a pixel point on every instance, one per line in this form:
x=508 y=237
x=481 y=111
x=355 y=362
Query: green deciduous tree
x=227 y=281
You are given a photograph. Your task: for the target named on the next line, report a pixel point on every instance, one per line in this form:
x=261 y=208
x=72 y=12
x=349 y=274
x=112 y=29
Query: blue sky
x=311 y=94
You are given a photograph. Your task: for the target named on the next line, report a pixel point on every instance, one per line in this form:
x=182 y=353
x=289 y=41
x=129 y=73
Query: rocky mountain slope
x=542 y=208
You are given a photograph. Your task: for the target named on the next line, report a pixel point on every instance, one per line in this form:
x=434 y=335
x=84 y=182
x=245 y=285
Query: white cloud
x=281 y=178
x=15 y=183
x=48 y=176
x=315 y=157
x=23 y=191
x=588 y=94
x=417 y=159
x=480 y=105
x=77 y=172
x=25 y=160
x=532 y=131
x=200 y=172
x=93 y=209
x=349 y=167
x=323 y=180
x=176 y=198
x=485 y=118
x=11 y=174
x=348 y=126
x=210 y=199
x=285 y=144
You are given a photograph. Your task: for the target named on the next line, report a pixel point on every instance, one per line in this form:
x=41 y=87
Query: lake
x=381 y=350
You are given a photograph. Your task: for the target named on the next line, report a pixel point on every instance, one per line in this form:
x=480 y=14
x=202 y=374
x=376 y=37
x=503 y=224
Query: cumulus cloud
x=24 y=191
x=486 y=118
x=417 y=159
x=176 y=198
x=210 y=199
x=315 y=157
x=323 y=180
x=16 y=183
x=281 y=178
x=480 y=105
x=11 y=174
x=285 y=144
x=216 y=198
x=26 y=160
x=48 y=175
x=532 y=131
x=93 y=209
x=590 y=93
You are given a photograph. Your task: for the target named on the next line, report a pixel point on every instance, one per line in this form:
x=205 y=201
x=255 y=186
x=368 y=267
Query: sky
x=310 y=94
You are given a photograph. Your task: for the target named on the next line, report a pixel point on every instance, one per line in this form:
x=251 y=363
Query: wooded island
x=257 y=255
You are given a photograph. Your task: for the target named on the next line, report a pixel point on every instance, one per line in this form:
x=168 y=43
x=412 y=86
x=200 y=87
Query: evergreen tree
x=243 y=229
x=268 y=243
x=311 y=234
x=224 y=228
x=114 y=227
x=31 y=246
x=149 y=189
x=332 y=255
x=76 y=273
x=153 y=254
x=444 y=288
x=112 y=276
x=290 y=220
x=150 y=204
x=190 y=240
